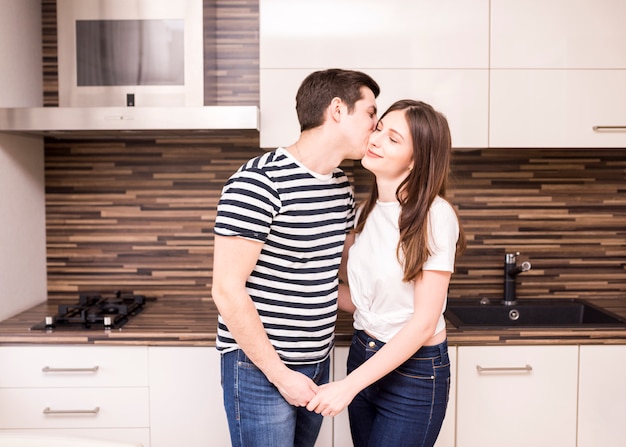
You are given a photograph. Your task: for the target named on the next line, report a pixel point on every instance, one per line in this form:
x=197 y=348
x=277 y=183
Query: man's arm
x=234 y=259
x=344 y=300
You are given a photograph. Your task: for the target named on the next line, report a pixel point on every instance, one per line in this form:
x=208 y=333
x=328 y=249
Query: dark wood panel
x=139 y=215
x=564 y=210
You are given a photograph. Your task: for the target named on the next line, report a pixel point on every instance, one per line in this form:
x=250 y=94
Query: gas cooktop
x=94 y=312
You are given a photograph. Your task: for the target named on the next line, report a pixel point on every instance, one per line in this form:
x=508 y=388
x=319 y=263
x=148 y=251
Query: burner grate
x=94 y=311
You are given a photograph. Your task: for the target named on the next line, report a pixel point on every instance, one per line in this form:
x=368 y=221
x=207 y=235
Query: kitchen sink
x=541 y=313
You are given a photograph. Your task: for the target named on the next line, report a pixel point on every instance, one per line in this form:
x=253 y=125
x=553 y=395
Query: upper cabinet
x=506 y=73
x=558 y=108
x=431 y=50
x=372 y=34
x=558 y=73
x=558 y=34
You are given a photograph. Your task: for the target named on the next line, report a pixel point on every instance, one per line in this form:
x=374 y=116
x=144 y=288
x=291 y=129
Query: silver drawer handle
x=601 y=128
x=48 y=369
x=526 y=368
x=49 y=410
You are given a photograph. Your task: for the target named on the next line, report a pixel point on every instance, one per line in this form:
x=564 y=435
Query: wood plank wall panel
x=137 y=215
x=49 y=53
x=563 y=210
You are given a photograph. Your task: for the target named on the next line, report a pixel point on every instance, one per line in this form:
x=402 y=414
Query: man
x=281 y=223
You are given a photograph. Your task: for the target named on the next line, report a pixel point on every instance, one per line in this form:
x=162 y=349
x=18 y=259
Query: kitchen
x=102 y=214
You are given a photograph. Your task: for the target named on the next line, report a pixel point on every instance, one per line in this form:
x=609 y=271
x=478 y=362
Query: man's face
x=361 y=123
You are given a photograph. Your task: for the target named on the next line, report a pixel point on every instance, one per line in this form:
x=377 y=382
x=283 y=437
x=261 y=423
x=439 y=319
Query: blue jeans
x=257 y=413
x=407 y=406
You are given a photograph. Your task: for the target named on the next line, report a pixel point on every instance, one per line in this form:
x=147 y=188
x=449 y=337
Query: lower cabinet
x=186 y=403
x=164 y=396
x=517 y=396
x=99 y=392
x=602 y=396
x=341 y=424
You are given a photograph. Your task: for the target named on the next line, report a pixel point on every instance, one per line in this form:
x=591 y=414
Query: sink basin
x=542 y=313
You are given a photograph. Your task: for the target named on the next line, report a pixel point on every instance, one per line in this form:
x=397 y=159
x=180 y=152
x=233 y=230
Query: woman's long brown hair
x=432 y=150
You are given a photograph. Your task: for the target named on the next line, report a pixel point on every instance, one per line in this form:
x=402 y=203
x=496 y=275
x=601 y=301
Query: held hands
x=331 y=399
x=296 y=388
x=300 y=391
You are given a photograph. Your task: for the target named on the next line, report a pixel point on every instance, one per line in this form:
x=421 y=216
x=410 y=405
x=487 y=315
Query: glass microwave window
x=130 y=52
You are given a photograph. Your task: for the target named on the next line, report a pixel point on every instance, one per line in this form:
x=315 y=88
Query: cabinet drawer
x=26 y=408
x=73 y=366
x=128 y=435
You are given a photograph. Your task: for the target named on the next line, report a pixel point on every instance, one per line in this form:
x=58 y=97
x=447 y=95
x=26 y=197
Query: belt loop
x=442 y=348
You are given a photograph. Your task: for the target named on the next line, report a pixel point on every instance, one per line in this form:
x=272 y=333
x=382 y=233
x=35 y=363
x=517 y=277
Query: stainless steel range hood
x=128 y=122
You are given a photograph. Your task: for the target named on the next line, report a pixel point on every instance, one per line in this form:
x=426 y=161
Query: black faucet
x=511 y=270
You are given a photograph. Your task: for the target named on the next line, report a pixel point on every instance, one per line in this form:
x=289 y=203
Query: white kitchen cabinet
x=342 y=424
x=461 y=95
x=394 y=34
x=186 y=399
x=186 y=403
x=558 y=34
x=434 y=51
x=557 y=108
x=100 y=392
x=558 y=74
x=602 y=396
x=516 y=396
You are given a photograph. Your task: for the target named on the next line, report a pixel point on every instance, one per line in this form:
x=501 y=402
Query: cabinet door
x=74 y=408
x=342 y=424
x=73 y=366
x=369 y=33
x=186 y=404
x=517 y=396
x=558 y=34
x=558 y=108
x=461 y=95
x=602 y=396
x=432 y=50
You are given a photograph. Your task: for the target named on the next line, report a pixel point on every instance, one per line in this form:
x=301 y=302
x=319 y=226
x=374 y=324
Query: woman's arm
x=430 y=294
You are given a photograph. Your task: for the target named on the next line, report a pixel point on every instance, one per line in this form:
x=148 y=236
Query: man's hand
x=295 y=387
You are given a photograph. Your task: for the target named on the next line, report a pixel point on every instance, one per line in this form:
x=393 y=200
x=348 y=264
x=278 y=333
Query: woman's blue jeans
x=407 y=406
x=257 y=413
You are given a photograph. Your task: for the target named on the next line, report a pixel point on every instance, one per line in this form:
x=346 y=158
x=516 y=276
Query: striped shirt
x=302 y=218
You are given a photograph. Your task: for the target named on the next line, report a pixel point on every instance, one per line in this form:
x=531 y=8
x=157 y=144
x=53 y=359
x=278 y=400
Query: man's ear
x=335 y=108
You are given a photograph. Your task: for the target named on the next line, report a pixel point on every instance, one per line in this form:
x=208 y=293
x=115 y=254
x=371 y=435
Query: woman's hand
x=332 y=398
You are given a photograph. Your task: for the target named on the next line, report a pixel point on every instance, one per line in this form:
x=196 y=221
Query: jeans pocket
x=417 y=369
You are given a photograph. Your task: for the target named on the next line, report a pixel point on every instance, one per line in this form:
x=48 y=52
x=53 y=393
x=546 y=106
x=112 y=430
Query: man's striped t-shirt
x=302 y=218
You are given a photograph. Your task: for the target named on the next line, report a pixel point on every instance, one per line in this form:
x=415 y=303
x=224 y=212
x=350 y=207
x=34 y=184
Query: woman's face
x=390 y=149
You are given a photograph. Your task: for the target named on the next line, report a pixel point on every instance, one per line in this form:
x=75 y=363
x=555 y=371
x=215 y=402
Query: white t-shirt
x=384 y=302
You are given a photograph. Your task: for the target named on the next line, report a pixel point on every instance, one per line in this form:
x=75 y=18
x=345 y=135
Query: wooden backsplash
x=138 y=214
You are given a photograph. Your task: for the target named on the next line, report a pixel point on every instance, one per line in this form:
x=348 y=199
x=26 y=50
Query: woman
x=399 y=265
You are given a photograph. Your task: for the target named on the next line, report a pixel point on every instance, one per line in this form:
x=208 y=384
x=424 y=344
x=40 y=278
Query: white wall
x=22 y=192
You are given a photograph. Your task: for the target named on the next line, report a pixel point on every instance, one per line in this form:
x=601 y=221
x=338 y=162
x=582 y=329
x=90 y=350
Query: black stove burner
x=95 y=312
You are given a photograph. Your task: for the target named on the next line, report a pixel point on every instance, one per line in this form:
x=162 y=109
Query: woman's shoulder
x=441 y=205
